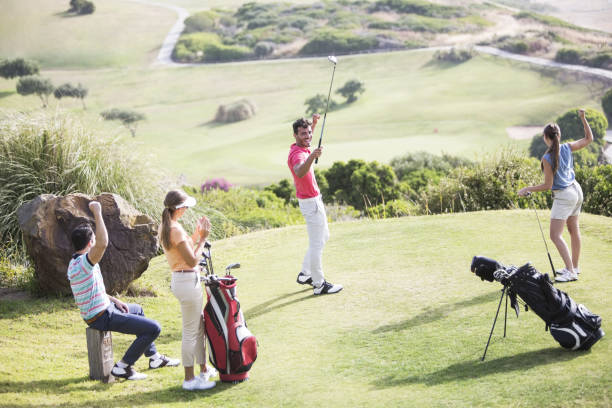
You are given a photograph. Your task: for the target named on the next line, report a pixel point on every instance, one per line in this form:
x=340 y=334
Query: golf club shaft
x=326 y=108
x=543 y=238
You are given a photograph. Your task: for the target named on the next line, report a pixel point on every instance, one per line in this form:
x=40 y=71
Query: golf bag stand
x=232 y=347
x=503 y=294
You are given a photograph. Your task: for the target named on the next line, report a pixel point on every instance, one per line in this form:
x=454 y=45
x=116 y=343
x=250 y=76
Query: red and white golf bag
x=232 y=347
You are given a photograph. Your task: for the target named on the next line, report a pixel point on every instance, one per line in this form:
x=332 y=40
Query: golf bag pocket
x=242 y=358
x=581 y=332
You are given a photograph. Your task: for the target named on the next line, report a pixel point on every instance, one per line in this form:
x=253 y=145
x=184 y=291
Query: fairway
x=410 y=104
x=408 y=329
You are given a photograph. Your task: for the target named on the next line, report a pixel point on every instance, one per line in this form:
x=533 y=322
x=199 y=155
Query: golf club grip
x=551 y=264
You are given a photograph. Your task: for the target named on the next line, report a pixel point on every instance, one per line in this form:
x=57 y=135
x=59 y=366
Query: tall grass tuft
x=54 y=154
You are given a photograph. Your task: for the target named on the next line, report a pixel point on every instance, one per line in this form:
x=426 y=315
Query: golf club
x=334 y=61
x=542 y=232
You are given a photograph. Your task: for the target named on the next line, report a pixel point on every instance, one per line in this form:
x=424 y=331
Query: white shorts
x=566 y=202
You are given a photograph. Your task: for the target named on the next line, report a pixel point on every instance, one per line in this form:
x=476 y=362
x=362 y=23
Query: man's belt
x=94 y=318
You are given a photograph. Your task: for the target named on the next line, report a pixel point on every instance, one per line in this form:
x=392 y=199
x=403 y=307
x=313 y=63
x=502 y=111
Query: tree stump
x=100 y=354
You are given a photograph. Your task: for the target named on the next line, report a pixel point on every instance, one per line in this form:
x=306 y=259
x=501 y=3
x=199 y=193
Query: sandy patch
x=523 y=132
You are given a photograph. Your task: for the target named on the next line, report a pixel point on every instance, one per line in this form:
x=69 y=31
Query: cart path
x=164 y=57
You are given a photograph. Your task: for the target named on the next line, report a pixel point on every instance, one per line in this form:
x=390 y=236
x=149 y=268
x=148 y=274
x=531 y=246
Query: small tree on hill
x=318 y=103
x=71 y=91
x=128 y=118
x=35 y=85
x=18 y=67
x=351 y=89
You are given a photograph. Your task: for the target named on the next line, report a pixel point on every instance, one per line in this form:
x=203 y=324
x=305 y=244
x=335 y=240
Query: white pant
x=188 y=290
x=313 y=211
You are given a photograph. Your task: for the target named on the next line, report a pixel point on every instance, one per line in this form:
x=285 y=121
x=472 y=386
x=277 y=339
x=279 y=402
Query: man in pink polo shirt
x=311 y=204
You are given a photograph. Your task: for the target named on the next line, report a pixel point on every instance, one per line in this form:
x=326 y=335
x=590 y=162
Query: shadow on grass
x=269 y=305
x=4 y=94
x=476 y=369
x=432 y=314
x=11 y=309
x=153 y=397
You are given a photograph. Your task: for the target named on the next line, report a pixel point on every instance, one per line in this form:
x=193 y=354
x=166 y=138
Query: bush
x=199 y=22
x=596 y=183
x=330 y=42
x=516 y=47
x=235 y=112
x=225 y=53
x=606 y=103
x=489 y=185
x=360 y=184
x=454 y=55
x=403 y=166
x=81 y=7
x=52 y=154
x=18 y=67
x=394 y=208
x=263 y=49
x=284 y=190
x=419 y=7
x=572 y=129
x=568 y=56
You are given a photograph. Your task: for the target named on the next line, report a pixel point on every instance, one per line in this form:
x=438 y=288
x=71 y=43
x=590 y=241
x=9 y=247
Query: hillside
x=408 y=329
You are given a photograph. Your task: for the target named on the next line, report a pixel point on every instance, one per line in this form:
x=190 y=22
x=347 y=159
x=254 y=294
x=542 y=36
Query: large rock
x=48 y=220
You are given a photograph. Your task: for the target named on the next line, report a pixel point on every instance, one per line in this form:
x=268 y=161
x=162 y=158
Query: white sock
x=121 y=364
x=155 y=356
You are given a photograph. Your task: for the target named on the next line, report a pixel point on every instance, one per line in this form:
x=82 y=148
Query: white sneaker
x=327 y=288
x=577 y=271
x=162 y=361
x=128 y=373
x=565 y=275
x=197 y=383
x=209 y=373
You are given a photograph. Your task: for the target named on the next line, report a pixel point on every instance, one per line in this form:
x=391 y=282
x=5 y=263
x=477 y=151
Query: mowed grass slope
x=408 y=329
x=118 y=34
x=410 y=104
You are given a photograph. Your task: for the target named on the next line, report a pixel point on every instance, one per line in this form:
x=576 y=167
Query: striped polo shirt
x=87 y=286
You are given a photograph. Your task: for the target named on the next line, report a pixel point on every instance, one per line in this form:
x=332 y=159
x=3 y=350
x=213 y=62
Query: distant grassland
x=410 y=104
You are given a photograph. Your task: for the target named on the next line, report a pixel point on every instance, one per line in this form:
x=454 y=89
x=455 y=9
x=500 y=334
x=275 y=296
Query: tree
x=128 y=118
x=42 y=87
x=18 y=67
x=318 y=103
x=71 y=91
x=572 y=129
x=606 y=103
x=351 y=89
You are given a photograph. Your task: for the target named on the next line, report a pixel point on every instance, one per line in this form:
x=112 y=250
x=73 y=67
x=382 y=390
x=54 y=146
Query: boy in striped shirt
x=107 y=313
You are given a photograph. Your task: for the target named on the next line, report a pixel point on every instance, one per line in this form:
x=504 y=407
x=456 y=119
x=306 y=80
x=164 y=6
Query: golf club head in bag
x=484 y=267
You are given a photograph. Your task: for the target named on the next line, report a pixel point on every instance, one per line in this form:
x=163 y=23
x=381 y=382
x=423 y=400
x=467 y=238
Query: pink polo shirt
x=305 y=187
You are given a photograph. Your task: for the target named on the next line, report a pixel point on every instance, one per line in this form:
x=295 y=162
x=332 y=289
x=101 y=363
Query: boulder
x=48 y=220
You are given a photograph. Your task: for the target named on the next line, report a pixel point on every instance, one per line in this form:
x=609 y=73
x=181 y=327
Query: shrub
x=568 y=56
x=596 y=183
x=454 y=55
x=284 y=190
x=235 y=112
x=606 y=103
x=331 y=42
x=53 y=154
x=517 y=47
x=198 y=22
x=18 y=67
x=572 y=129
x=489 y=185
x=360 y=184
x=81 y=7
x=225 y=53
x=393 y=208
x=263 y=49
x=599 y=60
x=215 y=184
x=419 y=7
x=403 y=166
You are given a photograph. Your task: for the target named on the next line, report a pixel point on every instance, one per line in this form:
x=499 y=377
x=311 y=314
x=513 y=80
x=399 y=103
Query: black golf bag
x=572 y=325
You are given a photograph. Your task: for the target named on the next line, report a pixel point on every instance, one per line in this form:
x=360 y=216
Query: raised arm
x=97 y=251
x=588 y=134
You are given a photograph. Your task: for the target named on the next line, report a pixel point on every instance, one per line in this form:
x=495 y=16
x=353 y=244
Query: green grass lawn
x=408 y=329
x=118 y=34
x=410 y=104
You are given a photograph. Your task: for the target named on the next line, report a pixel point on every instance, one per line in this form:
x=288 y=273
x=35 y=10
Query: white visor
x=189 y=202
